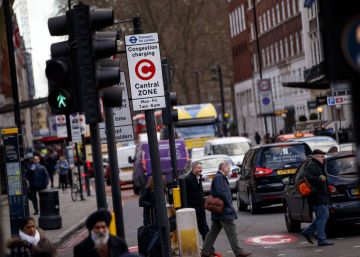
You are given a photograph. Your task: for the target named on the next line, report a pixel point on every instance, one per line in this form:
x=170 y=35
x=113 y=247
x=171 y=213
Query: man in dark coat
x=38 y=178
x=100 y=243
x=195 y=196
x=220 y=188
x=319 y=200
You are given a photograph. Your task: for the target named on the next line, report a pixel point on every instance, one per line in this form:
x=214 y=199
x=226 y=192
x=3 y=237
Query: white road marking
x=304 y=243
x=282 y=254
x=340 y=238
x=318 y=250
x=266 y=247
x=229 y=251
x=356 y=246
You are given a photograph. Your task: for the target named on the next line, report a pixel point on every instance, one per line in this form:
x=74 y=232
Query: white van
x=235 y=147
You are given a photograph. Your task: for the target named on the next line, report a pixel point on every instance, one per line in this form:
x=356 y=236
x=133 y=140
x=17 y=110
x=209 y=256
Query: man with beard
x=100 y=243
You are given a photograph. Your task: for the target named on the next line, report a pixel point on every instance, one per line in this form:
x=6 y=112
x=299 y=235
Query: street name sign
x=145 y=73
x=124 y=130
x=75 y=128
x=265 y=96
x=338 y=100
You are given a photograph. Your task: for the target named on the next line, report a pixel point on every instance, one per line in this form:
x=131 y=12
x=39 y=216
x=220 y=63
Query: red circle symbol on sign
x=145 y=69
x=271 y=240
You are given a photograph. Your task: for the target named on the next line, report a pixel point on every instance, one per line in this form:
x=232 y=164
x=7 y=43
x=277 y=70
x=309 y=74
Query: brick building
x=282 y=54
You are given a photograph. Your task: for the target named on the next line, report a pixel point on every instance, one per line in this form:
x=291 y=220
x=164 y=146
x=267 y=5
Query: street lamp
x=320 y=110
x=217 y=75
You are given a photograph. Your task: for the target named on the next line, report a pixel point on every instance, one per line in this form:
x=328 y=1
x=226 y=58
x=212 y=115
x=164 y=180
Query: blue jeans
x=319 y=224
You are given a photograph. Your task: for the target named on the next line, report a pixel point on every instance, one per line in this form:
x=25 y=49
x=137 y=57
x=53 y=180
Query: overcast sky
x=38 y=13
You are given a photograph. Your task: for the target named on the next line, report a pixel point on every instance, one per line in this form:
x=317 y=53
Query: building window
x=272 y=60
x=283 y=17
x=260 y=24
x=252 y=30
x=255 y=62
x=288 y=8
x=294 y=6
x=301 y=41
x=286 y=47
x=269 y=19
x=278 y=13
x=291 y=46
x=276 y=52
x=236 y=17
x=250 y=4
x=281 y=50
x=273 y=16
x=263 y=56
x=265 y=23
x=243 y=17
x=297 y=43
x=268 y=61
x=231 y=25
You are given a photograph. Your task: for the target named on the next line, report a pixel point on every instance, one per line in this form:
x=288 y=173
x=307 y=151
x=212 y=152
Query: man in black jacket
x=319 y=200
x=195 y=197
x=99 y=243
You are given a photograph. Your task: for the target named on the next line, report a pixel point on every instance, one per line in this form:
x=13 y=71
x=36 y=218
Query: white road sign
x=123 y=124
x=144 y=63
x=75 y=128
x=265 y=96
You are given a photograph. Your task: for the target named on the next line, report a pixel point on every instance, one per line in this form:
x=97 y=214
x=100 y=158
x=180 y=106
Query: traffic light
x=169 y=114
x=62 y=97
x=74 y=75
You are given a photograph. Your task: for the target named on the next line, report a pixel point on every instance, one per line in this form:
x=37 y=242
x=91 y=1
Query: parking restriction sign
x=146 y=81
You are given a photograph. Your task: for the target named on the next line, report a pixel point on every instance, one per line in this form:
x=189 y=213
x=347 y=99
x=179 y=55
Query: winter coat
x=220 y=188
x=195 y=194
x=62 y=167
x=321 y=193
x=147 y=201
x=86 y=248
x=21 y=248
x=37 y=176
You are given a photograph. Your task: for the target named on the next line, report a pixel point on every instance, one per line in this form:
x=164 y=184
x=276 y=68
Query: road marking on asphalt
x=340 y=238
x=229 y=251
x=318 y=250
x=272 y=239
x=133 y=249
x=304 y=243
x=356 y=246
x=282 y=254
x=266 y=247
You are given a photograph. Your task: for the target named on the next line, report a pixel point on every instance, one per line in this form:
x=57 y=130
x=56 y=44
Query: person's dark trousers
x=51 y=176
x=319 y=224
x=70 y=177
x=63 y=181
x=33 y=197
x=202 y=224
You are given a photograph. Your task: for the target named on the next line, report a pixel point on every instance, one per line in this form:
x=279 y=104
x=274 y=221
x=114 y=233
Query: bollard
x=112 y=227
x=187 y=232
x=49 y=209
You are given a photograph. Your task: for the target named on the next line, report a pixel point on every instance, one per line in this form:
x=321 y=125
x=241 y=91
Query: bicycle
x=75 y=190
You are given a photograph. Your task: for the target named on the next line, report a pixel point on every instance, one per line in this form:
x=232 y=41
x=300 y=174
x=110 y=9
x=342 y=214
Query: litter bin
x=49 y=209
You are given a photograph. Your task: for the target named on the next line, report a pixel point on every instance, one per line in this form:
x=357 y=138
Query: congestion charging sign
x=145 y=74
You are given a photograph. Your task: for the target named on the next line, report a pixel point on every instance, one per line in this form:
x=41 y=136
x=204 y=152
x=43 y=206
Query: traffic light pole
x=114 y=172
x=87 y=179
x=161 y=212
x=79 y=171
x=97 y=165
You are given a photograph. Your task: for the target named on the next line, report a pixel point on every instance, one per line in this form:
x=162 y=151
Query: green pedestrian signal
x=61 y=101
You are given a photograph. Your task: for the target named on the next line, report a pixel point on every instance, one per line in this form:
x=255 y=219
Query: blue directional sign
x=331 y=100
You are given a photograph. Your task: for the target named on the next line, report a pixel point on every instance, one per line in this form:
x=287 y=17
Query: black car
x=264 y=167
x=344 y=186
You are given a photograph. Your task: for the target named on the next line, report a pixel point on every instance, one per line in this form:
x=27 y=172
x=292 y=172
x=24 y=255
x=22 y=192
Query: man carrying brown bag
x=220 y=189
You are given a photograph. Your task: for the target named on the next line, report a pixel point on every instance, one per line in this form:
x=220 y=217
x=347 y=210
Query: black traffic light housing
x=169 y=114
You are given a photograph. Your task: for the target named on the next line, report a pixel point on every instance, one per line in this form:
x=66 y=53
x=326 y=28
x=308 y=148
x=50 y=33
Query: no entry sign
x=146 y=81
x=271 y=239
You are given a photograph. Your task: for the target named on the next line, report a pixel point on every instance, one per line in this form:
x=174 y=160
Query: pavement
x=73 y=216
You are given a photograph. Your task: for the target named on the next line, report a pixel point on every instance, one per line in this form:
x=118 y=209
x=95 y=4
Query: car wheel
x=136 y=189
x=240 y=204
x=291 y=225
x=254 y=207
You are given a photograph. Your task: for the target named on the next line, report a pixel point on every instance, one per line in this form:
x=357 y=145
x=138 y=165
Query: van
x=235 y=147
x=142 y=163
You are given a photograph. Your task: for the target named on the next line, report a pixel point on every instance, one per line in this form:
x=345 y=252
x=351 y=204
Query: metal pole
x=222 y=100
x=161 y=213
x=79 y=171
x=170 y=126
x=98 y=167
x=87 y=179
x=114 y=172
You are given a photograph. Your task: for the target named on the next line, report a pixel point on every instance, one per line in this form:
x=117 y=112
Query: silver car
x=210 y=165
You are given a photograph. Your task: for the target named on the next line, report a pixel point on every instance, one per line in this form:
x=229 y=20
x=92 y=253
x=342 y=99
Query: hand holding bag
x=214 y=205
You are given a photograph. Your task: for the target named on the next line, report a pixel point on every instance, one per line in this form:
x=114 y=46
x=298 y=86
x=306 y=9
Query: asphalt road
x=257 y=234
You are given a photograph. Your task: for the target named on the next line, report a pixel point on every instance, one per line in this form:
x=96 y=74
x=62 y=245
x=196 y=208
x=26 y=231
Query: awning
x=308 y=85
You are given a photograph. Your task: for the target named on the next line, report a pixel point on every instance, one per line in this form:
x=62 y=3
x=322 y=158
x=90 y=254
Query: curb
x=63 y=236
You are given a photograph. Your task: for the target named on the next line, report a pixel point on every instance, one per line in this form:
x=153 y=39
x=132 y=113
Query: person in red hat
x=100 y=243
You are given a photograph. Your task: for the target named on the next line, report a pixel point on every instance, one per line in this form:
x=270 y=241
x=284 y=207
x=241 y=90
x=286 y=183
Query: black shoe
x=325 y=243
x=307 y=238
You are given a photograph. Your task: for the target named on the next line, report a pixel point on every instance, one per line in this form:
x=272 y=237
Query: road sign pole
x=87 y=179
x=114 y=172
x=98 y=167
x=79 y=171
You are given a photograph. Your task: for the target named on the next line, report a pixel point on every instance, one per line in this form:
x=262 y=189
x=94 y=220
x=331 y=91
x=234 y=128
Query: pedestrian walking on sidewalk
x=220 y=188
x=195 y=196
x=257 y=138
x=28 y=239
x=50 y=164
x=38 y=178
x=147 y=201
x=62 y=168
x=100 y=243
x=319 y=200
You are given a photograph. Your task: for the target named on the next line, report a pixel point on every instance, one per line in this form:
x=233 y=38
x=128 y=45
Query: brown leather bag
x=214 y=205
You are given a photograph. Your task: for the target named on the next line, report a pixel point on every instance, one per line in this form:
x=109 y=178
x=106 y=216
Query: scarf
x=34 y=240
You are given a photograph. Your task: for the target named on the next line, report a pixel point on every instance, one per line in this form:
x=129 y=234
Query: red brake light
x=234 y=175
x=332 y=189
x=88 y=164
x=144 y=164
x=262 y=172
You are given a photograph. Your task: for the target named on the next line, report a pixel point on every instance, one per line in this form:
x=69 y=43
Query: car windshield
x=277 y=157
x=342 y=166
x=196 y=131
x=231 y=149
x=213 y=163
